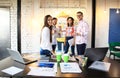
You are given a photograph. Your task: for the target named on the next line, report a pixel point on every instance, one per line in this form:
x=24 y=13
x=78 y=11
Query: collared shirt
x=82 y=29
x=45 y=39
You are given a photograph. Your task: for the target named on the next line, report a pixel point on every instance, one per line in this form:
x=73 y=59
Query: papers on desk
x=42 y=71
x=70 y=68
x=12 y=70
x=55 y=67
x=98 y=65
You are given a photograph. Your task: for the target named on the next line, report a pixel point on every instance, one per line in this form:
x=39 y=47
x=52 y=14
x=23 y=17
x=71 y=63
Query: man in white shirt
x=81 y=34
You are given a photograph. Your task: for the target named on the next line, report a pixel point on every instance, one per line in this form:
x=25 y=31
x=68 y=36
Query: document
x=71 y=41
x=42 y=71
x=12 y=70
x=98 y=65
x=55 y=67
x=70 y=67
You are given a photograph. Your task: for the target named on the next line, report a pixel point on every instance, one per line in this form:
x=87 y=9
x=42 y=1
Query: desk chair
x=113 y=50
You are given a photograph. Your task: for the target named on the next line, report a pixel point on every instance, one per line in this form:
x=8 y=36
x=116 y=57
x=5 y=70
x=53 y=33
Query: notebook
x=17 y=57
x=98 y=65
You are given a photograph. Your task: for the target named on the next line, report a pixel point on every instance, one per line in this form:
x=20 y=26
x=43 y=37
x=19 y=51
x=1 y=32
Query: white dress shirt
x=45 y=39
x=82 y=29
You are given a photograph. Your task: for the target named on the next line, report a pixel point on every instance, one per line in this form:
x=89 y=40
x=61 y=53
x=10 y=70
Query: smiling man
x=81 y=34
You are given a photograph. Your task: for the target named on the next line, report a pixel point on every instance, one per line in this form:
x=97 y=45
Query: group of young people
x=78 y=33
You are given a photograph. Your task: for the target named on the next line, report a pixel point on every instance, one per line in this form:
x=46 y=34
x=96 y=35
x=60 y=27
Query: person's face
x=79 y=16
x=69 y=21
x=49 y=21
x=54 y=22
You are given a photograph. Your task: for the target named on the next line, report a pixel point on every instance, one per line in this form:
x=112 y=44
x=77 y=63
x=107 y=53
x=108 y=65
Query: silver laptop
x=17 y=57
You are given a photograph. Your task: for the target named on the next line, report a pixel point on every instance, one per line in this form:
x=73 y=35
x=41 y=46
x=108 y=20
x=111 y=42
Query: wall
x=33 y=17
x=31 y=30
x=102 y=21
x=12 y=4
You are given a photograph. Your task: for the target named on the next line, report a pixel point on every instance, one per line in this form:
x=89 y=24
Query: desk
x=113 y=72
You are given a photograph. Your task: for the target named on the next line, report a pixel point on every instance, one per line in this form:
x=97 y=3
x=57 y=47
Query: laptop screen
x=95 y=54
x=15 y=55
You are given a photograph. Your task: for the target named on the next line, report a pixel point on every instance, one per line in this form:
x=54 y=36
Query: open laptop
x=17 y=57
x=96 y=54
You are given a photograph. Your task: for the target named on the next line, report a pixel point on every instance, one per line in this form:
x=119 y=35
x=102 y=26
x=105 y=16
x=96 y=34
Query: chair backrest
x=112 y=46
x=96 y=54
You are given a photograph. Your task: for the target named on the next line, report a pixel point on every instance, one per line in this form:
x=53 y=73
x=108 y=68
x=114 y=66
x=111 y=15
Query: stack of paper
x=70 y=68
x=42 y=71
x=12 y=70
x=98 y=65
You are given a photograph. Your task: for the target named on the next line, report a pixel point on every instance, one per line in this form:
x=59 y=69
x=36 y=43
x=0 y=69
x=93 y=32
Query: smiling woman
x=46 y=37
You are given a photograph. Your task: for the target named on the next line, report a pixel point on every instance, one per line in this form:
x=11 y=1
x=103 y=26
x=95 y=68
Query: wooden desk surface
x=113 y=72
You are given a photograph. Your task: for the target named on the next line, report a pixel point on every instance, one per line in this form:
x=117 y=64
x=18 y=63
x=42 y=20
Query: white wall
x=102 y=21
x=12 y=4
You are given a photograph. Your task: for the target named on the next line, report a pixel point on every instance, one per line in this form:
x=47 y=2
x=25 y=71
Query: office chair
x=113 y=50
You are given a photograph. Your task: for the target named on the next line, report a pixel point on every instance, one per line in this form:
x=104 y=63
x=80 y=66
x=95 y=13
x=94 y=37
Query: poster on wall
x=62 y=16
x=62 y=21
x=114 y=26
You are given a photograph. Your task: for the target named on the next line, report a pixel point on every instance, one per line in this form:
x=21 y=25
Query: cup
x=66 y=57
x=58 y=56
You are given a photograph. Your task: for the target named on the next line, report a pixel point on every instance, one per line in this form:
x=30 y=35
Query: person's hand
x=53 y=53
x=53 y=31
x=64 y=43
